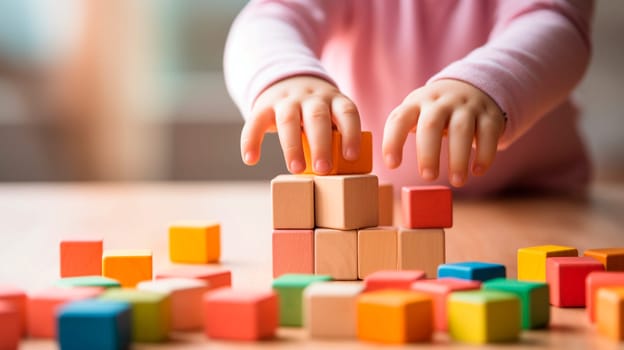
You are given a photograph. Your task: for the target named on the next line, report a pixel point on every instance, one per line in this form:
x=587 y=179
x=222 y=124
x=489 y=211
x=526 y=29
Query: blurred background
x=133 y=90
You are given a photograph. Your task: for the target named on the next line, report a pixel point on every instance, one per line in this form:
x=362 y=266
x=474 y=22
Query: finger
x=288 y=123
x=318 y=128
x=429 y=132
x=487 y=134
x=252 y=134
x=461 y=131
x=400 y=122
x=347 y=120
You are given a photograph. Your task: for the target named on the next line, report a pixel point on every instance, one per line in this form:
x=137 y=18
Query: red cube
x=81 y=257
x=427 y=207
x=10 y=326
x=16 y=298
x=566 y=277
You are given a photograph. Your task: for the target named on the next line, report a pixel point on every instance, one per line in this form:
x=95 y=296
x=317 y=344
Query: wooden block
x=376 y=250
x=195 y=242
x=10 y=326
x=394 y=317
x=439 y=290
x=596 y=280
x=391 y=279
x=533 y=296
x=292 y=198
x=346 y=202
x=151 y=313
x=185 y=296
x=472 y=270
x=87 y=281
x=336 y=254
x=94 y=324
x=240 y=315
x=330 y=309
x=421 y=249
x=566 y=277
x=215 y=277
x=289 y=289
x=16 y=298
x=81 y=257
x=341 y=166
x=611 y=258
x=129 y=267
x=532 y=260
x=427 y=206
x=42 y=306
x=386 y=204
x=610 y=313
x=293 y=252
x=480 y=317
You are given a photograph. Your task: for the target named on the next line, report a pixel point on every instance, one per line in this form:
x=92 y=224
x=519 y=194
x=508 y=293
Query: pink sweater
x=526 y=55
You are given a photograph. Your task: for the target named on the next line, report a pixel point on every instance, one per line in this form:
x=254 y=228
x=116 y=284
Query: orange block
x=17 y=299
x=611 y=258
x=427 y=206
x=391 y=279
x=10 y=326
x=293 y=252
x=81 y=257
x=596 y=280
x=386 y=204
x=42 y=307
x=215 y=277
x=341 y=166
x=129 y=267
x=610 y=312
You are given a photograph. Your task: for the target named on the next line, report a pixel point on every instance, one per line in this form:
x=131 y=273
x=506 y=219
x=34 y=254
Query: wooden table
x=35 y=217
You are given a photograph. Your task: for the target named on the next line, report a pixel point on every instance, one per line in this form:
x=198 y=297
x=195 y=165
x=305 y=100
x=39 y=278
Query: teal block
x=88 y=281
x=289 y=288
x=472 y=270
x=534 y=300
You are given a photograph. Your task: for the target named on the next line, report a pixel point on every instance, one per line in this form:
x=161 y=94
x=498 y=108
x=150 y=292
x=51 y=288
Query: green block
x=534 y=300
x=290 y=288
x=88 y=281
x=150 y=313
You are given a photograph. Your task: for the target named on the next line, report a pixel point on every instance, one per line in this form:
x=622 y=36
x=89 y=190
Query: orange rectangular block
x=346 y=202
x=610 y=313
x=129 y=267
x=421 y=249
x=293 y=252
x=611 y=258
x=18 y=300
x=386 y=204
x=427 y=206
x=596 y=280
x=81 y=257
x=341 y=166
x=377 y=250
x=215 y=277
x=292 y=198
x=336 y=254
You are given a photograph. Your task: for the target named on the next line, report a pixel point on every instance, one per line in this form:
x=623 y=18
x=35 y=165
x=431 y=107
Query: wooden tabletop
x=35 y=217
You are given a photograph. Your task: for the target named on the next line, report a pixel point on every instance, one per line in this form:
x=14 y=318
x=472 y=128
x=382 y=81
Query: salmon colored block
x=532 y=260
x=185 y=295
x=391 y=279
x=346 y=202
x=336 y=254
x=394 y=317
x=240 y=315
x=595 y=281
x=421 y=249
x=427 y=206
x=213 y=276
x=293 y=252
x=129 y=267
x=292 y=200
x=386 y=204
x=611 y=258
x=610 y=313
x=341 y=166
x=42 y=307
x=566 y=277
x=195 y=242
x=81 y=257
x=10 y=326
x=16 y=298
x=377 y=250
x=439 y=290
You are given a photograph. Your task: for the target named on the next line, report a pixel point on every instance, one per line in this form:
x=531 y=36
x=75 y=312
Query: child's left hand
x=463 y=112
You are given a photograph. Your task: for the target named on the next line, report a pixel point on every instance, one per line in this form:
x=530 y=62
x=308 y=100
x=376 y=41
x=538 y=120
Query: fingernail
x=391 y=160
x=296 y=166
x=247 y=157
x=427 y=174
x=321 y=166
x=457 y=180
x=350 y=154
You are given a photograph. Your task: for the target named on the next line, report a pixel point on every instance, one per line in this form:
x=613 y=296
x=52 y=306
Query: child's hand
x=459 y=109
x=302 y=102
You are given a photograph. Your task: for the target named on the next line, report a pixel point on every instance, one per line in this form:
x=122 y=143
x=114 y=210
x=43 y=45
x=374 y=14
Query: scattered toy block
x=439 y=290
x=81 y=257
x=151 y=312
x=386 y=204
x=532 y=260
x=214 y=277
x=427 y=206
x=533 y=296
x=421 y=249
x=289 y=289
x=341 y=166
x=336 y=254
x=42 y=307
x=610 y=312
x=293 y=252
x=472 y=270
x=394 y=316
x=129 y=267
x=94 y=324
x=330 y=309
x=10 y=326
x=240 y=315
x=392 y=279
x=17 y=298
x=566 y=277
x=376 y=250
x=185 y=298
x=195 y=242
x=484 y=316
x=87 y=281
x=596 y=280
x=346 y=202
x=611 y=258
x=292 y=198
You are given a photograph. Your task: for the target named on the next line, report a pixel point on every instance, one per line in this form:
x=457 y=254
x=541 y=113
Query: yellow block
x=195 y=243
x=532 y=260
x=129 y=267
x=610 y=312
x=341 y=166
x=394 y=316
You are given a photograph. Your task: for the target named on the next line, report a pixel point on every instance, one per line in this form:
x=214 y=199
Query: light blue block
x=472 y=270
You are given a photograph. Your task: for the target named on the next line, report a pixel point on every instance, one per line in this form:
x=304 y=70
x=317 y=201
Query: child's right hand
x=302 y=103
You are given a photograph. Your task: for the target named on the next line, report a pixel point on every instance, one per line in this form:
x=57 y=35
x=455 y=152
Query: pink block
x=10 y=326
x=42 y=306
x=392 y=279
x=293 y=252
x=215 y=277
x=439 y=290
x=17 y=298
x=566 y=277
x=81 y=257
x=596 y=280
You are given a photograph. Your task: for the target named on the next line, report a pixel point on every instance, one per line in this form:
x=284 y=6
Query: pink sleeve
x=537 y=52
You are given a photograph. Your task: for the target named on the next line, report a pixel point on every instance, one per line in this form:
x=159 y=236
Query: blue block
x=94 y=325
x=472 y=270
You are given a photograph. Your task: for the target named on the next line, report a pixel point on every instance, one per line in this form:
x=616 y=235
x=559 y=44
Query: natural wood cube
x=195 y=242
x=330 y=309
x=346 y=202
x=421 y=249
x=336 y=253
x=81 y=257
x=427 y=206
x=292 y=198
x=293 y=252
x=215 y=277
x=341 y=166
x=386 y=204
x=377 y=250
